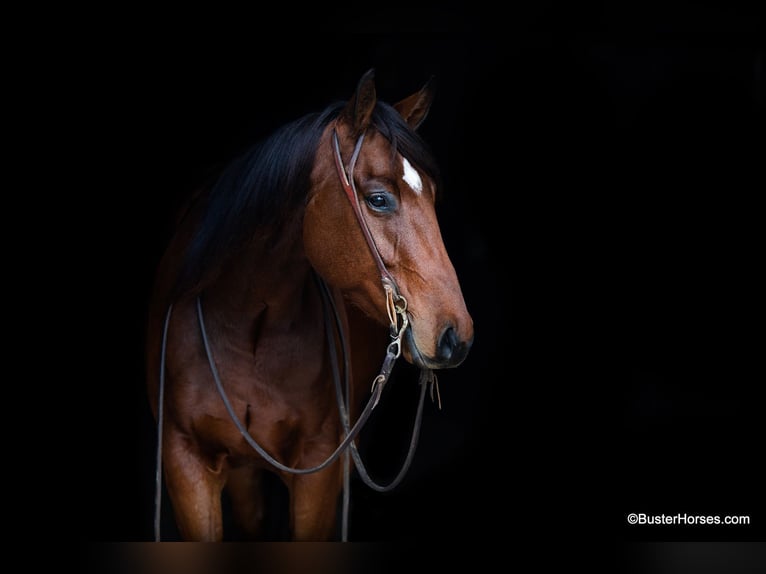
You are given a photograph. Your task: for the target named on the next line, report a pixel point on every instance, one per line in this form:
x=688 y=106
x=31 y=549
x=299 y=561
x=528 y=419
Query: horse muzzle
x=450 y=350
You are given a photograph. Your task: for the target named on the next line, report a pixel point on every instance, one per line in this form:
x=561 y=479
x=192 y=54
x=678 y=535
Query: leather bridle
x=396 y=304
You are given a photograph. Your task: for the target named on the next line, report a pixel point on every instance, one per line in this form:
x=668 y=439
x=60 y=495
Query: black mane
x=266 y=184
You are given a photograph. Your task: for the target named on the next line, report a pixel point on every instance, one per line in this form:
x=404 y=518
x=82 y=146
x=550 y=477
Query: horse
x=314 y=253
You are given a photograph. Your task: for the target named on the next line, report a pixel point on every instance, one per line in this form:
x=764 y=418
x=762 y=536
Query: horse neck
x=278 y=277
x=269 y=272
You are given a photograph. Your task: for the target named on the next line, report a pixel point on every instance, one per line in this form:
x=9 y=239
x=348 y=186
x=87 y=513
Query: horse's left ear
x=414 y=108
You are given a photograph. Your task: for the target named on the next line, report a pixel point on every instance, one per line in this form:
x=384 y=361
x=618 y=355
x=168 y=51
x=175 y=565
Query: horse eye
x=380 y=202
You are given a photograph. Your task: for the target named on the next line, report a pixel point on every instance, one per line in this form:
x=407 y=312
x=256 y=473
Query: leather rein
x=396 y=307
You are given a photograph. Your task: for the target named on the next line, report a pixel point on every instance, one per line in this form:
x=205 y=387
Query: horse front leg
x=314 y=503
x=194 y=486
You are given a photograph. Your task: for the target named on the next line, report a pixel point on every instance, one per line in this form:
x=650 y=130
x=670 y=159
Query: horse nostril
x=448 y=342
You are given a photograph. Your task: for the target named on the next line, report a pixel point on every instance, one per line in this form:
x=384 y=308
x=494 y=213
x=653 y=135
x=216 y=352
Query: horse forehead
x=380 y=164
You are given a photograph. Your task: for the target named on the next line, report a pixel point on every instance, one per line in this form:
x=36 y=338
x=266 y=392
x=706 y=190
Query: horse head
x=370 y=222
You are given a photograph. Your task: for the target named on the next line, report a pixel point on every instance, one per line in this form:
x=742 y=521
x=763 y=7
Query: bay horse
x=333 y=215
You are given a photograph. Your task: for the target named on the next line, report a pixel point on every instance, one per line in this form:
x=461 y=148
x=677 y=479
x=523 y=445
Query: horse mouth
x=414 y=355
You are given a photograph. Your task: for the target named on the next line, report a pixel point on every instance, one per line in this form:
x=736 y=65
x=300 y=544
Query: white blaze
x=411 y=176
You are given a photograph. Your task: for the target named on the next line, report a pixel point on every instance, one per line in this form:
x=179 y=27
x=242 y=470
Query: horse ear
x=359 y=108
x=414 y=108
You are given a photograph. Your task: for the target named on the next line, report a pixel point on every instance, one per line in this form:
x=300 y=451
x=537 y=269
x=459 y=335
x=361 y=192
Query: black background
x=603 y=177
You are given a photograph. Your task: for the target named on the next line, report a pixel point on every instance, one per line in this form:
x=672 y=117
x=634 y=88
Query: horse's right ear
x=358 y=110
x=414 y=108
